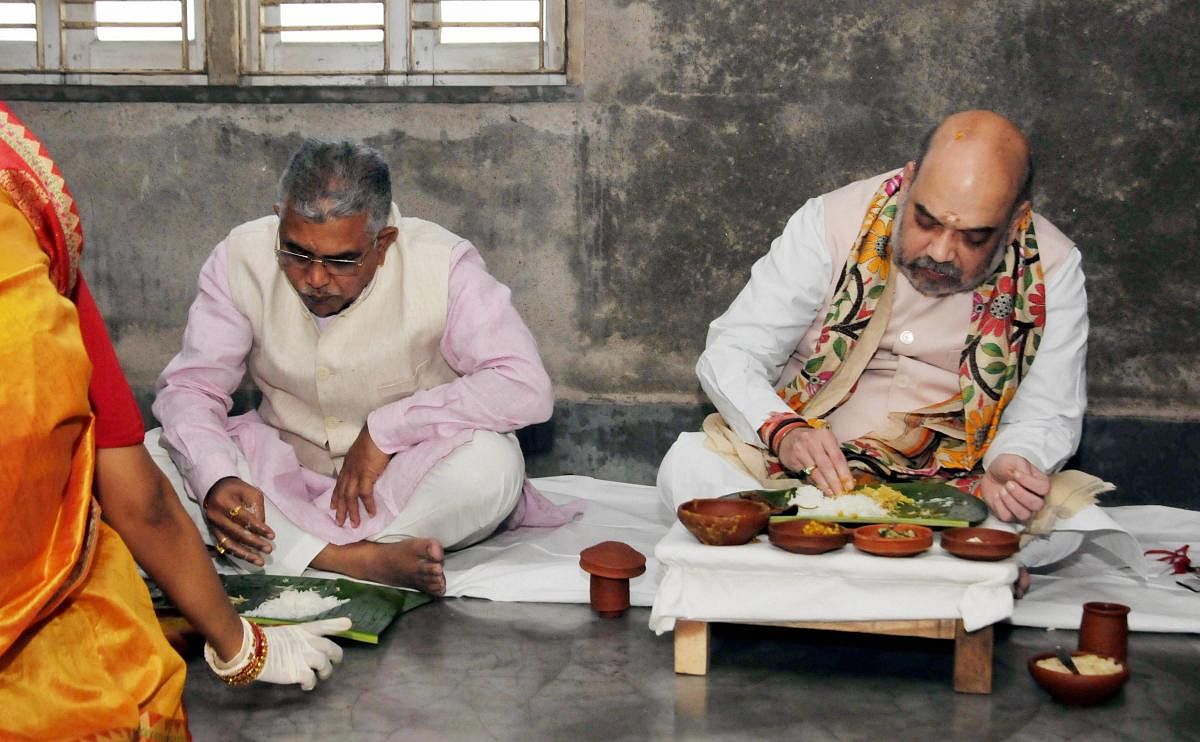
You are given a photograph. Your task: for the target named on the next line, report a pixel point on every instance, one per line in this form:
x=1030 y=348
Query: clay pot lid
x=612 y=559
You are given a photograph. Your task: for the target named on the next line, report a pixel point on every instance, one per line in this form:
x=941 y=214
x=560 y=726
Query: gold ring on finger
x=220 y=545
x=808 y=470
x=233 y=511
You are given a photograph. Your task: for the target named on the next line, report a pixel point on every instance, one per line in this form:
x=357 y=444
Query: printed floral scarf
x=1009 y=311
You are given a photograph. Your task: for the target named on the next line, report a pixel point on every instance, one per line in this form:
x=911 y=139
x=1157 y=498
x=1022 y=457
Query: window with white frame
x=365 y=42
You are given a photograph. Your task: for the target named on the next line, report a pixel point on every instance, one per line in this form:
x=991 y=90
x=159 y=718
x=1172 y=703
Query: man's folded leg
x=466 y=496
x=460 y=501
x=689 y=471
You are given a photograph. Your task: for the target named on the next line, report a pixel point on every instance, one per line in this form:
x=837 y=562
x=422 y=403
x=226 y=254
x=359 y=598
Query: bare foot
x=1020 y=587
x=414 y=562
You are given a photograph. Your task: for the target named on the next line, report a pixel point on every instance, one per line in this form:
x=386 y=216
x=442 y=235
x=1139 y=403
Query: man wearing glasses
x=393 y=369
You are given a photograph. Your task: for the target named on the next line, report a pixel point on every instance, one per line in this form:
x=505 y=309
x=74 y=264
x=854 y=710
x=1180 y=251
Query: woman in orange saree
x=81 y=653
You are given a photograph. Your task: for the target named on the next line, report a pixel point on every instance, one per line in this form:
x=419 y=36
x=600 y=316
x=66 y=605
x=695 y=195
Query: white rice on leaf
x=810 y=501
x=292 y=604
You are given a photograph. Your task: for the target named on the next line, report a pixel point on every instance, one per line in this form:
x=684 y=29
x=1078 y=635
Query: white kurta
x=755 y=347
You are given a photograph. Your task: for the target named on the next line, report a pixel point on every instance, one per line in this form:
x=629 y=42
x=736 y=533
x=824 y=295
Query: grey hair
x=326 y=180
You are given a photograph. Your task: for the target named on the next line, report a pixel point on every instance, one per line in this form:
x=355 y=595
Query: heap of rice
x=292 y=604
x=867 y=502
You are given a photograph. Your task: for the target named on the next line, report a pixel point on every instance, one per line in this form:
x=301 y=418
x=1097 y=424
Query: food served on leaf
x=865 y=502
x=293 y=605
x=930 y=502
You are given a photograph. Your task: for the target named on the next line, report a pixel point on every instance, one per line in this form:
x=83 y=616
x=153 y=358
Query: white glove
x=295 y=651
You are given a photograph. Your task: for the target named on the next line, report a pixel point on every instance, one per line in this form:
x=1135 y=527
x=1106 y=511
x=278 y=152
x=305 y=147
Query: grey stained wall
x=626 y=219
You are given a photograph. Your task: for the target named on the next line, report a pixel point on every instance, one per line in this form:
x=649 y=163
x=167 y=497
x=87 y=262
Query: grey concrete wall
x=627 y=219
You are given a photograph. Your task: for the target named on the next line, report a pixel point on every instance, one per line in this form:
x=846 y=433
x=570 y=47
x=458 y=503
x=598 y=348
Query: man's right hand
x=817 y=448
x=236 y=515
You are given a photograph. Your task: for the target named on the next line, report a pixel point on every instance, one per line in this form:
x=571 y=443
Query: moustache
x=945 y=269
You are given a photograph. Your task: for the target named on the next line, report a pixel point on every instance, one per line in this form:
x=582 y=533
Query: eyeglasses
x=334 y=266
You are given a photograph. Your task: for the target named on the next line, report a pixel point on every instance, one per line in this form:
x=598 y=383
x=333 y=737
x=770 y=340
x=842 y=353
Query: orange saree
x=81 y=654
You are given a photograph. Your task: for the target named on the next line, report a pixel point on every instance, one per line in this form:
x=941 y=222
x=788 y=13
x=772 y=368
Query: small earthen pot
x=611 y=564
x=789 y=535
x=1104 y=629
x=1077 y=690
x=980 y=544
x=868 y=539
x=724 y=522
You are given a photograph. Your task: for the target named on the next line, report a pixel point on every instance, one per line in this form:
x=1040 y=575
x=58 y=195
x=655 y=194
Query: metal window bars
x=66 y=40
x=399 y=50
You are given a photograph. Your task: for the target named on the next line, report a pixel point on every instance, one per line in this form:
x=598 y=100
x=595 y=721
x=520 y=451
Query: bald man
x=919 y=323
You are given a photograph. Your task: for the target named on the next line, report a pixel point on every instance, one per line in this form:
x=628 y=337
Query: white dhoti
x=462 y=500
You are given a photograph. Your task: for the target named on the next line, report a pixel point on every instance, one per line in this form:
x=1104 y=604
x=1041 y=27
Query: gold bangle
x=254 y=667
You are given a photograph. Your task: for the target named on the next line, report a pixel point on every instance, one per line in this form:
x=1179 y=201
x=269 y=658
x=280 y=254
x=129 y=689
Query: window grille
x=75 y=39
x=372 y=42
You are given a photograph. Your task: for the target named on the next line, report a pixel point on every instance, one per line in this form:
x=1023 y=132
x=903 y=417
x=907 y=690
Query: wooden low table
x=933 y=595
x=972 y=649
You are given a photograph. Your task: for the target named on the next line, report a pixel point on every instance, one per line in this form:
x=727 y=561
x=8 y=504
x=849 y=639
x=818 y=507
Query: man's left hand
x=364 y=465
x=1013 y=488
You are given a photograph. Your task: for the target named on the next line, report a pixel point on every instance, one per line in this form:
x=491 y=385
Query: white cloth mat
x=1099 y=571
x=542 y=565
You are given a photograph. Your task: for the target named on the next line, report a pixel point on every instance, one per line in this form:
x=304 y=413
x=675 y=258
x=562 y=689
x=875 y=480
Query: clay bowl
x=1077 y=690
x=981 y=544
x=724 y=522
x=867 y=538
x=789 y=535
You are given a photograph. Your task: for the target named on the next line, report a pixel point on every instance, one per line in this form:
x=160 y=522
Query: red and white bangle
x=247 y=664
x=780 y=424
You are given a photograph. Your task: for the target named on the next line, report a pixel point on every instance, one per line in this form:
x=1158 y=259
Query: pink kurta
x=502 y=386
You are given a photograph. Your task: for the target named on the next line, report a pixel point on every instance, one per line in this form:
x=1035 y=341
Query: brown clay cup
x=724 y=522
x=1104 y=630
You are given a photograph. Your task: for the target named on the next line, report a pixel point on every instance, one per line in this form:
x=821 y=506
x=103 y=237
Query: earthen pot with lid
x=611 y=564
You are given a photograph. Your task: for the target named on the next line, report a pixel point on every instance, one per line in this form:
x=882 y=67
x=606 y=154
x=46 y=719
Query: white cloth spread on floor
x=542 y=565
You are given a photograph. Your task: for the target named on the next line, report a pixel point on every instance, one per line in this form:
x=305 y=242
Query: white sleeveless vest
x=319 y=386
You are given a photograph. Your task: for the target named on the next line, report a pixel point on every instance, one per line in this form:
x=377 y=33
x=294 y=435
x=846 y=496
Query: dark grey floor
x=476 y=670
